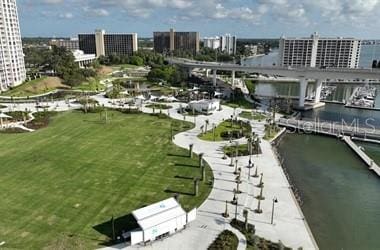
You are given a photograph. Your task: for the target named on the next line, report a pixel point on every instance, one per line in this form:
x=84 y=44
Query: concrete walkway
x=290 y=227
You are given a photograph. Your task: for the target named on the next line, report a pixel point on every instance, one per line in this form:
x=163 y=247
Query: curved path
x=289 y=227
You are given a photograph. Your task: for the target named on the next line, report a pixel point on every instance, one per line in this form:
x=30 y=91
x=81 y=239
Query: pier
x=366 y=159
x=345 y=132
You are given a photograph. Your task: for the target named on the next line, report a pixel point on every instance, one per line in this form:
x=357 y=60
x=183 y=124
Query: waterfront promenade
x=289 y=225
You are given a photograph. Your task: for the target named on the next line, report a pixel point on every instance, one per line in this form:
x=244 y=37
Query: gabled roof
x=158 y=213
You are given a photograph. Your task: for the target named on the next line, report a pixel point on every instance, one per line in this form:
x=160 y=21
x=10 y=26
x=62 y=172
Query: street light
x=273 y=201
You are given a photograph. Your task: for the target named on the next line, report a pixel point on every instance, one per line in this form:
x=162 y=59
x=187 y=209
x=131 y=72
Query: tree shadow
x=177 y=155
x=122 y=224
x=184 y=177
x=185 y=165
x=178 y=192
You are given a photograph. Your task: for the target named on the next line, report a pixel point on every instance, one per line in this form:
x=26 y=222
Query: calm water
x=337 y=113
x=341 y=196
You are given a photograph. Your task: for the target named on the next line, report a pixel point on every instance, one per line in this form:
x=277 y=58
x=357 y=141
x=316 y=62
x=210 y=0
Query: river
x=341 y=196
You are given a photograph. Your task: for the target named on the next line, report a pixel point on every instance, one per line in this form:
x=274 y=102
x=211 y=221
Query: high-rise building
x=165 y=42
x=228 y=44
x=211 y=42
x=103 y=44
x=12 y=66
x=70 y=44
x=319 y=52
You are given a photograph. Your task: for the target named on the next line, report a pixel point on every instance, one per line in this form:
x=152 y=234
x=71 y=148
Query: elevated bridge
x=303 y=74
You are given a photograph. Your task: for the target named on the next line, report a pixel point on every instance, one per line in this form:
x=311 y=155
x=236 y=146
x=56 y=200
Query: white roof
x=158 y=213
x=204 y=101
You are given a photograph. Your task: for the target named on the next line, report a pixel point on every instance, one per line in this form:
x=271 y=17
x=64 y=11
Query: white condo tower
x=12 y=66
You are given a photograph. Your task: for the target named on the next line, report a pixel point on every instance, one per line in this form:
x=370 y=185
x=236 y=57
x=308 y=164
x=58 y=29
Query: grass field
x=253 y=115
x=67 y=181
x=36 y=87
x=221 y=129
x=92 y=84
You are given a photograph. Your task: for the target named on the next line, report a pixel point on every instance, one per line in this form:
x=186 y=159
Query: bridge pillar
x=214 y=78
x=207 y=73
x=190 y=72
x=303 y=87
x=233 y=78
x=318 y=90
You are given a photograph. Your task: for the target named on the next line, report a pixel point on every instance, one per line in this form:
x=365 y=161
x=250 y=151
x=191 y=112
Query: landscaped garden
x=63 y=184
x=36 y=87
x=271 y=130
x=226 y=240
x=253 y=115
x=229 y=129
x=158 y=106
x=255 y=242
x=242 y=149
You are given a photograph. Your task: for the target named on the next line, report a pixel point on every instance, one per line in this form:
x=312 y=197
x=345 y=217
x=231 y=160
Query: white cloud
x=67 y=15
x=99 y=12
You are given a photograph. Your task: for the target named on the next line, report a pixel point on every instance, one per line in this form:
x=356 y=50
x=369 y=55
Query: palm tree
x=206 y=123
x=245 y=214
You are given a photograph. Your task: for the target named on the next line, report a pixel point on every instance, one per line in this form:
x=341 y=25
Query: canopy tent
x=3 y=116
x=172 y=99
x=163 y=98
x=153 y=98
x=141 y=97
x=218 y=93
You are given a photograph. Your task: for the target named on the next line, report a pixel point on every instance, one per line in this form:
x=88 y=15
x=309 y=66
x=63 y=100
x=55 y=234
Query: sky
x=243 y=18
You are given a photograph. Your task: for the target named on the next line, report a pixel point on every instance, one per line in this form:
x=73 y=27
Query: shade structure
x=172 y=99
x=218 y=94
x=141 y=97
x=2 y=115
x=163 y=98
x=153 y=98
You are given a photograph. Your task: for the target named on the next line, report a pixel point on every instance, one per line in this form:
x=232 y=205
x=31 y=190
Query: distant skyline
x=244 y=18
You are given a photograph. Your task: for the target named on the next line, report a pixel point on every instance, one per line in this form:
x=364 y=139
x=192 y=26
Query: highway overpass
x=302 y=74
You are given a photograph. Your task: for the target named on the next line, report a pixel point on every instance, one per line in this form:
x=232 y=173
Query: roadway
x=297 y=73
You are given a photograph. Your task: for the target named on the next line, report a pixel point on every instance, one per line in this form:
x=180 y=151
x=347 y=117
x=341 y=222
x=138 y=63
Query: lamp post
x=273 y=201
x=236 y=208
x=236 y=164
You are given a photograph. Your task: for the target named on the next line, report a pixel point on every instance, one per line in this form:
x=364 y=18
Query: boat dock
x=366 y=159
x=339 y=131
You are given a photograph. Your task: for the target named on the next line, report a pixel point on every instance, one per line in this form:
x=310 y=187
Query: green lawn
x=93 y=84
x=222 y=130
x=67 y=181
x=36 y=87
x=239 y=102
x=253 y=116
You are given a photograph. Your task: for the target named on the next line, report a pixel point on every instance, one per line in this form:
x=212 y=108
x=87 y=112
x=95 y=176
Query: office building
x=228 y=44
x=12 y=66
x=319 y=52
x=83 y=60
x=211 y=42
x=165 y=42
x=70 y=44
x=103 y=44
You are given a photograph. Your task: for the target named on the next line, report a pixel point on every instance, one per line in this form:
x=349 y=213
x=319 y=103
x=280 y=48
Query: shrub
x=226 y=240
